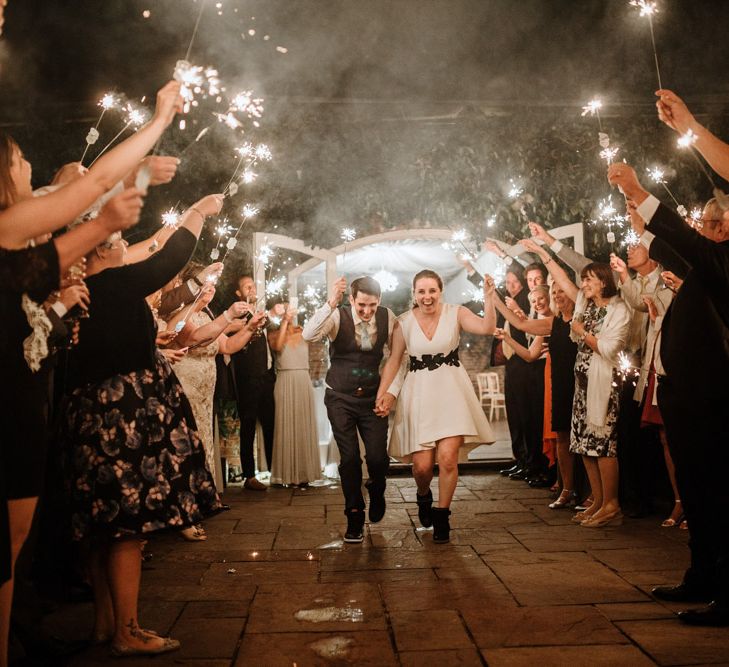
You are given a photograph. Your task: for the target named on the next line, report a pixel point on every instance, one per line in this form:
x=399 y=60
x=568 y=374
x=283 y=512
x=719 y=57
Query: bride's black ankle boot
x=441 y=525
x=425 y=508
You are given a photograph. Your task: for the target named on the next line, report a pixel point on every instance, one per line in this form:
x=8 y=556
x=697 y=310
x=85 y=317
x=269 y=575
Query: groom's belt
x=432 y=361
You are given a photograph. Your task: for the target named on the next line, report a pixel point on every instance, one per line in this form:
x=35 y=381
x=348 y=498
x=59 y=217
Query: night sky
x=57 y=57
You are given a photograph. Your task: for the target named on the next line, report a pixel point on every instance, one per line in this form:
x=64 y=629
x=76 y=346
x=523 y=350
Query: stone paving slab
x=671 y=643
x=312 y=649
x=559 y=656
x=518 y=584
x=320 y=608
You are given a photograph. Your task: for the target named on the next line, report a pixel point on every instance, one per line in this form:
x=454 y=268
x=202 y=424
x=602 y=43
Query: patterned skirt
x=138 y=465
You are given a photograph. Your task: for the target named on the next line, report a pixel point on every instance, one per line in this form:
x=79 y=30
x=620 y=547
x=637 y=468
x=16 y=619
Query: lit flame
x=608 y=154
x=263 y=152
x=108 y=101
x=459 y=236
x=687 y=140
x=348 y=234
x=515 y=190
x=170 y=218
x=592 y=107
x=656 y=175
x=136 y=116
x=249 y=211
x=646 y=7
x=276 y=286
x=631 y=239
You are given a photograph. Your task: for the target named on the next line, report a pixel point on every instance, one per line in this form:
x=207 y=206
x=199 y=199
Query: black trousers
x=634 y=485
x=349 y=415
x=255 y=403
x=698 y=438
x=516 y=379
x=524 y=398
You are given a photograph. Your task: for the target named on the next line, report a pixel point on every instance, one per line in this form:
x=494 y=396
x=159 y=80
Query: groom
x=360 y=334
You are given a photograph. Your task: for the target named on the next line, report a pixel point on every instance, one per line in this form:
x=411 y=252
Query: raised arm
x=277 y=339
x=322 y=322
x=41 y=215
x=530 y=354
x=472 y=323
x=673 y=111
x=236 y=342
x=555 y=270
x=540 y=327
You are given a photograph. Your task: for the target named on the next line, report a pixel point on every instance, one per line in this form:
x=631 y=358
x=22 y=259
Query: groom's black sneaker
x=377 y=502
x=355 y=527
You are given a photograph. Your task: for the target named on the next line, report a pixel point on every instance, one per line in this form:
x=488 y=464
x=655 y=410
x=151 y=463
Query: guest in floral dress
x=600 y=328
x=138 y=464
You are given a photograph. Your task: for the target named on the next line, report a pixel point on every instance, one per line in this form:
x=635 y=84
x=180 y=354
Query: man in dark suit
x=694 y=394
x=254 y=380
x=360 y=336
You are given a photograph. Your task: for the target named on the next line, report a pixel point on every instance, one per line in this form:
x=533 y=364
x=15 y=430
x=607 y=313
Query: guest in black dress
x=22 y=218
x=138 y=463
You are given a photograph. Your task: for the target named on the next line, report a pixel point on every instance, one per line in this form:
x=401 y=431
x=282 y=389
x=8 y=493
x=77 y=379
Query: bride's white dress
x=437 y=400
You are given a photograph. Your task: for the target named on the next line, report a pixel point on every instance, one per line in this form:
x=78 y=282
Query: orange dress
x=550 y=437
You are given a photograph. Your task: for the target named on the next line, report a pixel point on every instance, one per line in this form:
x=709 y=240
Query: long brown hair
x=8 y=191
x=604 y=274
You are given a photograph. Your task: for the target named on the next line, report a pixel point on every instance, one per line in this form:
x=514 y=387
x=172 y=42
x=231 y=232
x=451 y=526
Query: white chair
x=490 y=394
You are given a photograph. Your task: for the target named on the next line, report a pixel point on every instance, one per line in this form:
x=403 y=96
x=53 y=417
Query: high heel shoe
x=580 y=517
x=566 y=498
x=613 y=519
x=670 y=522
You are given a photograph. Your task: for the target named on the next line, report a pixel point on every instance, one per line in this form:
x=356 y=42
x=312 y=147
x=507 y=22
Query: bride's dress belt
x=432 y=361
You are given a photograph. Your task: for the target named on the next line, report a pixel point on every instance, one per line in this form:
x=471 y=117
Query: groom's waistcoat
x=354 y=371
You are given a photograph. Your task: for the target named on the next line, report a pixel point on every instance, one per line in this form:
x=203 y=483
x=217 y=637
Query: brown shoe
x=252 y=484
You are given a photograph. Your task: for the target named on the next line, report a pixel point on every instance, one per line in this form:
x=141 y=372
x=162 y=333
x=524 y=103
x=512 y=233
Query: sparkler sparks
x=608 y=154
x=348 y=234
x=249 y=211
x=656 y=175
x=276 y=286
x=245 y=102
x=170 y=218
x=687 y=140
x=631 y=239
x=592 y=108
x=515 y=190
x=626 y=368
x=646 y=8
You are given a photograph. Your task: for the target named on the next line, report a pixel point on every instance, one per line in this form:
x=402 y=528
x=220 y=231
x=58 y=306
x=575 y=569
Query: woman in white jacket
x=600 y=328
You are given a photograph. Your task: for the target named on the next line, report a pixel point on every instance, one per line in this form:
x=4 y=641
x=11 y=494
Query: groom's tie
x=365 y=340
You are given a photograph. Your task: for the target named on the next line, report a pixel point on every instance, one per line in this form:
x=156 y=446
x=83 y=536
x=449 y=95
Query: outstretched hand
x=538 y=232
x=617 y=264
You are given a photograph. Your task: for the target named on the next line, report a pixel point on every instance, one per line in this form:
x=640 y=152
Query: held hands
x=618 y=265
x=384 y=404
x=338 y=290
x=123 y=211
x=209 y=205
x=673 y=111
x=169 y=102
x=210 y=273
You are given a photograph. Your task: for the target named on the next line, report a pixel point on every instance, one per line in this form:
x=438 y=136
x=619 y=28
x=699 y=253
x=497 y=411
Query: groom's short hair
x=366 y=285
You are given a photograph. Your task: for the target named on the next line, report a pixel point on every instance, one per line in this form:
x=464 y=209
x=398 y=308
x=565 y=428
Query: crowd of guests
x=595 y=355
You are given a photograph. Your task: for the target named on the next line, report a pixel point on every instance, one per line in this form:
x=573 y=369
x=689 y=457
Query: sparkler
x=247 y=212
x=688 y=140
x=608 y=215
x=657 y=176
x=631 y=239
x=626 y=369
x=252 y=154
x=194 y=32
x=170 y=220
x=135 y=116
x=348 y=234
x=648 y=8
x=608 y=154
x=209 y=280
x=695 y=218
x=592 y=108
x=108 y=101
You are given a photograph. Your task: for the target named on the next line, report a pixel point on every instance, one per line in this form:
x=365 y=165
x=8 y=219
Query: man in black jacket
x=254 y=377
x=694 y=393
